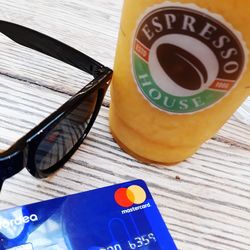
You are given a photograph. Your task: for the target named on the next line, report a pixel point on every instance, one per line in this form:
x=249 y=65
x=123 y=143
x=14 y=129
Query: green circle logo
x=185 y=60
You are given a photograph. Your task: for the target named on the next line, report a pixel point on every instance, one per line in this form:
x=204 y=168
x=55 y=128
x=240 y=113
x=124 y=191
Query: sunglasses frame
x=22 y=153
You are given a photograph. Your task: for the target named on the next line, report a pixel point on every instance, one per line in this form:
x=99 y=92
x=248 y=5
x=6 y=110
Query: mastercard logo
x=127 y=197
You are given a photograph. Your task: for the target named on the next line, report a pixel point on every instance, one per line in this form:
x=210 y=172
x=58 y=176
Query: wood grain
x=206 y=207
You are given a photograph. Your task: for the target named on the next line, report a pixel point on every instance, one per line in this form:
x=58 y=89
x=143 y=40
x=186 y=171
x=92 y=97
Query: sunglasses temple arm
x=51 y=47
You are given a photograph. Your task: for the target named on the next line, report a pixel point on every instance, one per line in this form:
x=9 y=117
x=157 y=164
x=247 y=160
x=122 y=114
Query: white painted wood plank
x=88 y=28
x=235 y=133
x=208 y=208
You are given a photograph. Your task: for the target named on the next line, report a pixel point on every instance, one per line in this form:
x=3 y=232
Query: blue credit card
x=119 y=217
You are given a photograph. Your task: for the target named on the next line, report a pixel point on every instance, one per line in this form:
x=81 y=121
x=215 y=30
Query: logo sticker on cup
x=186 y=59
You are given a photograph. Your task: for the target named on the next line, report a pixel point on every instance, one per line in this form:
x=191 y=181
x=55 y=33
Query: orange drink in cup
x=181 y=70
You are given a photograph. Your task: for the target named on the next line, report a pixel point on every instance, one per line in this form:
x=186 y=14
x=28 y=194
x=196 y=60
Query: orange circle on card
x=138 y=193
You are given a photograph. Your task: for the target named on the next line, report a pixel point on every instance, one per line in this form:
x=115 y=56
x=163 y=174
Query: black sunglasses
x=50 y=144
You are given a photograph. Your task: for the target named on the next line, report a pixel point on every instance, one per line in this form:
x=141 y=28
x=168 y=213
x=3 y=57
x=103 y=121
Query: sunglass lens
x=65 y=135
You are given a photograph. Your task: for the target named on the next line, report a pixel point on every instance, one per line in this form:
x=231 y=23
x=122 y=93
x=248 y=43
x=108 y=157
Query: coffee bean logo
x=182 y=67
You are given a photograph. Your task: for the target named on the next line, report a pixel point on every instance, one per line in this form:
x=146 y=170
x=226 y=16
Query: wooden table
x=205 y=200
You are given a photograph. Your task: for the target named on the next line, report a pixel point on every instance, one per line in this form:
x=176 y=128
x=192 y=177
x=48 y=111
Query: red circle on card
x=122 y=198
